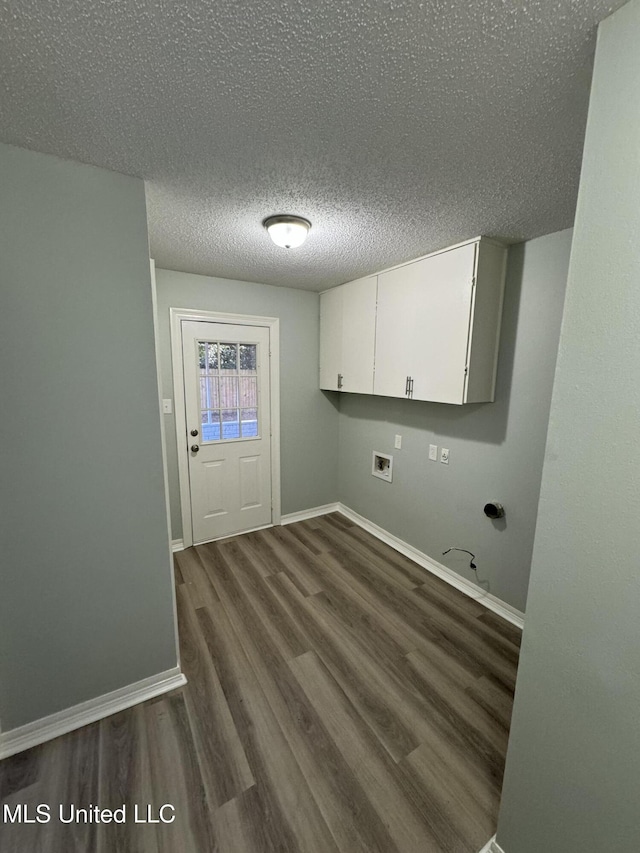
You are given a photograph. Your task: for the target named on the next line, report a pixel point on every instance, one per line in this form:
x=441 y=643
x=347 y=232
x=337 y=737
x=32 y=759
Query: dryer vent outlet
x=494 y=510
x=382 y=466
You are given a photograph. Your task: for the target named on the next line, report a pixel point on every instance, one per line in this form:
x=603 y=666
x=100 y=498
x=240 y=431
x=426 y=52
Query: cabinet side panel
x=358 y=334
x=485 y=329
x=330 y=338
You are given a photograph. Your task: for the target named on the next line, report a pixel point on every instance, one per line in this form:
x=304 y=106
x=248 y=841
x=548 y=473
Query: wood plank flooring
x=340 y=700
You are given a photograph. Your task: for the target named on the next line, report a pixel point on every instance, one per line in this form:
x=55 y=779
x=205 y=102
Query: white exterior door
x=228 y=427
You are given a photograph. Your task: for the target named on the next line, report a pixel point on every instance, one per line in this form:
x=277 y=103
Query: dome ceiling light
x=286 y=231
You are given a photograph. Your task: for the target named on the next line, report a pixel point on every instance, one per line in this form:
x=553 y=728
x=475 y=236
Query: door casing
x=177 y=315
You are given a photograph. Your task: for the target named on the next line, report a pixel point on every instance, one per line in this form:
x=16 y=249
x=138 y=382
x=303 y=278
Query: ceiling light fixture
x=286 y=231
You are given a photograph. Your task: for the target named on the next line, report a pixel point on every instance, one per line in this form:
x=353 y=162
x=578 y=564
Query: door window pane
x=212 y=356
x=230 y=423
x=228 y=357
x=248 y=357
x=228 y=390
x=210 y=425
x=248 y=391
x=209 y=396
x=249 y=423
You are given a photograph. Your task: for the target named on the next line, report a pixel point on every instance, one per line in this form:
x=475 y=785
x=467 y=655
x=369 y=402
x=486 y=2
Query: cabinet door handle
x=340 y=378
x=408 y=390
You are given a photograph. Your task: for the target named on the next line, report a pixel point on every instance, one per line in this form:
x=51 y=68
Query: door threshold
x=231 y=535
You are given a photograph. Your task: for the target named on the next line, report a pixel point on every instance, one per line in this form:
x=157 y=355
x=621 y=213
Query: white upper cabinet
x=438 y=325
x=432 y=332
x=330 y=338
x=423 y=327
x=347 y=336
x=358 y=334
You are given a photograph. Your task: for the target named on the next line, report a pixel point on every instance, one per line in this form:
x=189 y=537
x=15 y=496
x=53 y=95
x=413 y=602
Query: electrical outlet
x=444 y=455
x=433 y=452
x=398 y=442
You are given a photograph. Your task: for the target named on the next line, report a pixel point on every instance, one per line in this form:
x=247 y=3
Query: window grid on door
x=228 y=379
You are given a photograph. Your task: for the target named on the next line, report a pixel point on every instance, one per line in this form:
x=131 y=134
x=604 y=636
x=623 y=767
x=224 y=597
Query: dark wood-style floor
x=340 y=700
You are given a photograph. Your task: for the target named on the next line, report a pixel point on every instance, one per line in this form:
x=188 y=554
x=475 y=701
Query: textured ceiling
x=396 y=127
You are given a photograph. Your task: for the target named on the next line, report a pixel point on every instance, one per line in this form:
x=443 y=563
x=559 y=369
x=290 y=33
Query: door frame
x=177 y=315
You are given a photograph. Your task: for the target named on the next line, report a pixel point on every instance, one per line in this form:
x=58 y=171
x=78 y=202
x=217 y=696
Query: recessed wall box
x=382 y=466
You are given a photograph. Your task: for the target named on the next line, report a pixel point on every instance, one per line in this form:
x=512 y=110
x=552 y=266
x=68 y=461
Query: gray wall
x=496 y=449
x=86 y=599
x=573 y=767
x=308 y=417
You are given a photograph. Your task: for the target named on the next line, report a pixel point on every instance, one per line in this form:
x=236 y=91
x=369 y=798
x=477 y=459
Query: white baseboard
x=292 y=517
x=47 y=728
x=516 y=617
x=511 y=614
x=492 y=847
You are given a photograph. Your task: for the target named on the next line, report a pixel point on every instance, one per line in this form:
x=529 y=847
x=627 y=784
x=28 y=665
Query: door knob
x=194 y=432
x=195 y=448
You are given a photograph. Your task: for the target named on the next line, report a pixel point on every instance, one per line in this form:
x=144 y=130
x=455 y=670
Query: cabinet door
x=358 y=334
x=441 y=352
x=330 y=338
x=397 y=326
x=422 y=327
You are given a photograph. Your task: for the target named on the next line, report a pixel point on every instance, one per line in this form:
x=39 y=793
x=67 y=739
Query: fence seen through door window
x=228 y=390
